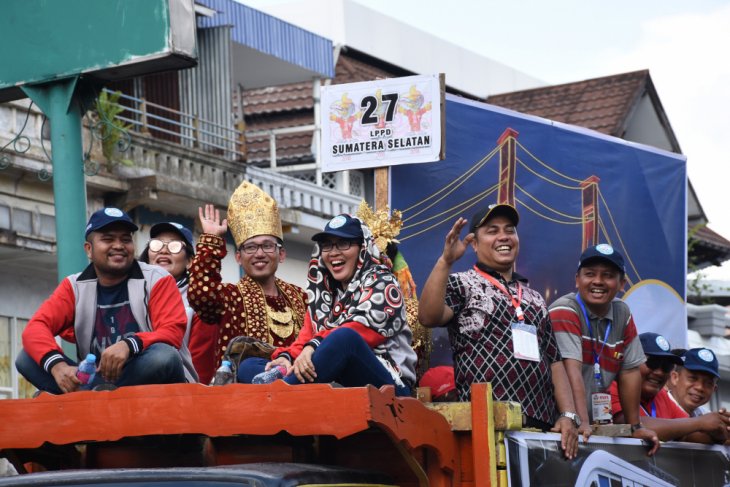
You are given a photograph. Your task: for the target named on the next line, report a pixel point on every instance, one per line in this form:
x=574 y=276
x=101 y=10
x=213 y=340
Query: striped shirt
x=621 y=350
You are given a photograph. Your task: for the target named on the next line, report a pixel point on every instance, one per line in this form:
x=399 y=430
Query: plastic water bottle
x=269 y=376
x=600 y=400
x=87 y=369
x=224 y=374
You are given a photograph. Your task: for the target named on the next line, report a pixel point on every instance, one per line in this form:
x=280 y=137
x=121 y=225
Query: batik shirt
x=481 y=341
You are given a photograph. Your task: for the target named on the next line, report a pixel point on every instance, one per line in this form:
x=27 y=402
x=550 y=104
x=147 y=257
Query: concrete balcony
x=166 y=177
x=174 y=179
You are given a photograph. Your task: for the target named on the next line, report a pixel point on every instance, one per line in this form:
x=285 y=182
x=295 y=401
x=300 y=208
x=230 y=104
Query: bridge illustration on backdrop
x=598 y=224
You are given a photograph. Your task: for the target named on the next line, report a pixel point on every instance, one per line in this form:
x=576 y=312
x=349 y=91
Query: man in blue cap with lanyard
x=598 y=341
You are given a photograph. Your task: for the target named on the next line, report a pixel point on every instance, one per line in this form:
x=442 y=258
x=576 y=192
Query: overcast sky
x=684 y=44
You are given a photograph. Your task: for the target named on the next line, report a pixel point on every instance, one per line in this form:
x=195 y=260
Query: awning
x=268 y=51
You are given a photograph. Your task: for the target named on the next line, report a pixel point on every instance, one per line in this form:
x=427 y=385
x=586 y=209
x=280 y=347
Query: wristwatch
x=635 y=427
x=571 y=416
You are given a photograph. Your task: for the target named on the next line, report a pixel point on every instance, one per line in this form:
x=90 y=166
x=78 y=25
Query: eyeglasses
x=173 y=246
x=659 y=363
x=268 y=247
x=340 y=244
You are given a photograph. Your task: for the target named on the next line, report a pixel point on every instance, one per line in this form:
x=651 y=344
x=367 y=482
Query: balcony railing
x=192 y=131
x=230 y=144
x=189 y=130
x=197 y=171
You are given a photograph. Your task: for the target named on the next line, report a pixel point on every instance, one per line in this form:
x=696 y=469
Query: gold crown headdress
x=252 y=212
x=383 y=227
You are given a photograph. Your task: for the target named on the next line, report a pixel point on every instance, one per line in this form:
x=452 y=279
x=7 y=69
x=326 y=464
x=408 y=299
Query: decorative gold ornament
x=280 y=316
x=280 y=322
x=384 y=226
x=252 y=212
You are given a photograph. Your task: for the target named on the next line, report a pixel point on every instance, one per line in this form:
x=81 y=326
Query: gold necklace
x=280 y=322
x=280 y=316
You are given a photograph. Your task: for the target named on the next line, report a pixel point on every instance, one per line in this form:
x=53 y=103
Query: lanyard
x=515 y=302
x=653 y=409
x=596 y=355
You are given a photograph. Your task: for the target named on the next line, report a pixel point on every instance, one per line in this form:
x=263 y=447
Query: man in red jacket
x=129 y=315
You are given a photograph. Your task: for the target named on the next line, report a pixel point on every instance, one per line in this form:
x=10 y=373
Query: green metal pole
x=59 y=102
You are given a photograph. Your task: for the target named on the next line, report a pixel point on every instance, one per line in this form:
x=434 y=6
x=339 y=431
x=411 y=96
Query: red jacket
x=203 y=347
x=70 y=310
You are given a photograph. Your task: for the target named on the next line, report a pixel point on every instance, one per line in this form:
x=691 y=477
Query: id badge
x=524 y=342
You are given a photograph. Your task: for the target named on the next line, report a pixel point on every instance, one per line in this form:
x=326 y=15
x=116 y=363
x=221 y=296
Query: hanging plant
x=112 y=130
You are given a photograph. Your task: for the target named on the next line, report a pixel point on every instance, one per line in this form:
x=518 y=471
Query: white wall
x=295 y=266
x=645 y=126
x=22 y=294
x=352 y=24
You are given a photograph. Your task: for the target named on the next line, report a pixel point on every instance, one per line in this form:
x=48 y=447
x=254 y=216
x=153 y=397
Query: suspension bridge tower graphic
x=507 y=162
x=506 y=187
x=589 y=210
x=517 y=163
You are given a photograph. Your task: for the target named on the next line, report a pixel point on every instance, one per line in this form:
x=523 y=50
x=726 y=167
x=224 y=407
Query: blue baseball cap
x=656 y=345
x=106 y=216
x=701 y=360
x=602 y=252
x=343 y=226
x=173 y=227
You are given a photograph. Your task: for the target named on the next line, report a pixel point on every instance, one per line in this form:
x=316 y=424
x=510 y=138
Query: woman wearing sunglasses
x=171 y=247
x=355 y=331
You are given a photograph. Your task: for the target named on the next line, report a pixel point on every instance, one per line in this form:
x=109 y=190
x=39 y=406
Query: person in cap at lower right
x=692 y=383
x=598 y=341
x=658 y=411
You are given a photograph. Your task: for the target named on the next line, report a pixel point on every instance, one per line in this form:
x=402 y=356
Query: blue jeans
x=157 y=364
x=343 y=357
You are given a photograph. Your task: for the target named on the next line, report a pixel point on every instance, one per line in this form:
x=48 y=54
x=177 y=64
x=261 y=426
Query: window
x=12 y=385
x=47 y=226
x=22 y=221
x=5 y=217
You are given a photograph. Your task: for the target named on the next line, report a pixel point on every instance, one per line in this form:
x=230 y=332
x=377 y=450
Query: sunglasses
x=659 y=363
x=173 y=246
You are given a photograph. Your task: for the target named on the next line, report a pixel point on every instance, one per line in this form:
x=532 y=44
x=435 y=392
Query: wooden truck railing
x=191 y=424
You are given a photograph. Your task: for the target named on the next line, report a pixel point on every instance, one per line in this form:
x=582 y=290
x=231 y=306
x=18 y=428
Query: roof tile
x=600 y=104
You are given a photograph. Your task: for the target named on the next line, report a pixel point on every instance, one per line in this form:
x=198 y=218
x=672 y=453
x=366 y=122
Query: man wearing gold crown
x=260 y=305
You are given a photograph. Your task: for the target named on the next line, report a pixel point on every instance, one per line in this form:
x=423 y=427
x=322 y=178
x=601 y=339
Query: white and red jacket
x=70 y=312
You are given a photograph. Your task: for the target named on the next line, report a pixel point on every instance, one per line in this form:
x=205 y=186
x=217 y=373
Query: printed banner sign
x=382 y=123
x=536 y=459
x=572 y=187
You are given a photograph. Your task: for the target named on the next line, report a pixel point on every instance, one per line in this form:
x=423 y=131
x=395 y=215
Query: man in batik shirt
x=499 y=328
x=260 y=305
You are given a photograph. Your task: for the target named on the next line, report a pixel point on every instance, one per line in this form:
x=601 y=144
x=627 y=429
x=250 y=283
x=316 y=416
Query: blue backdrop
x=641 y=205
